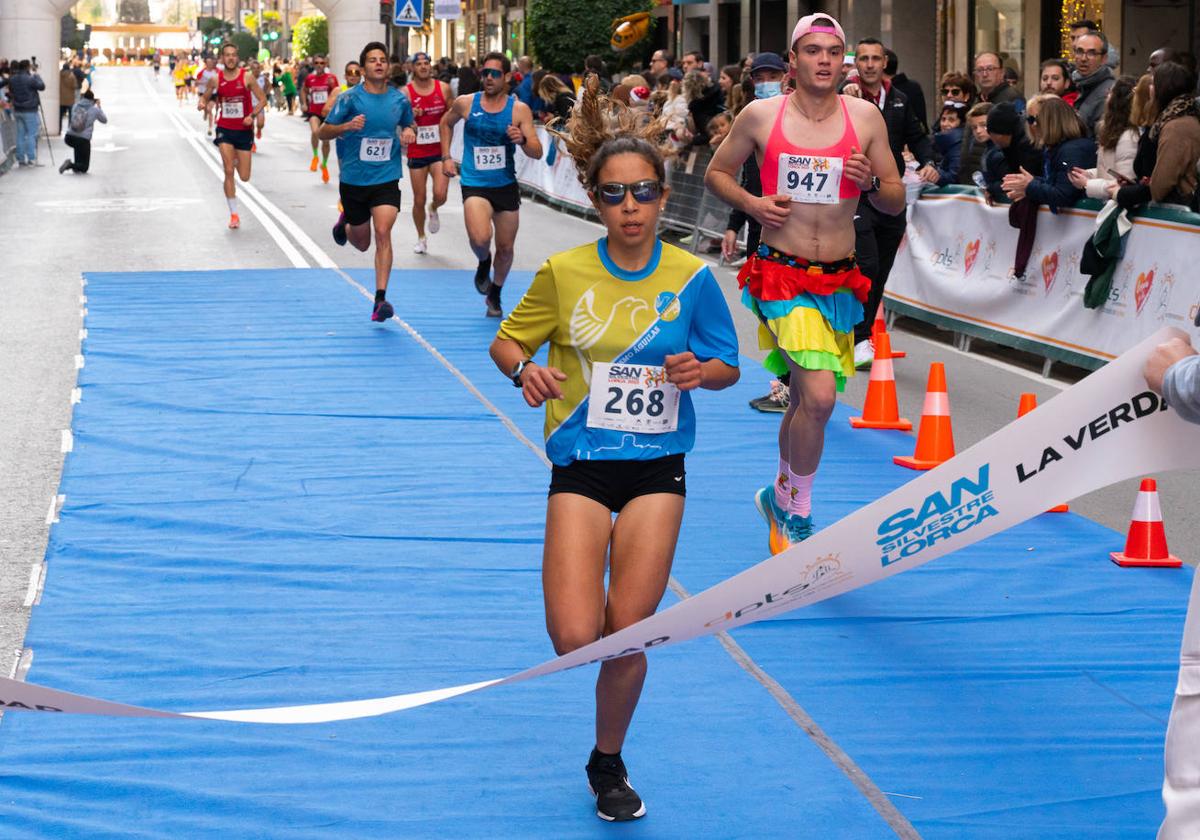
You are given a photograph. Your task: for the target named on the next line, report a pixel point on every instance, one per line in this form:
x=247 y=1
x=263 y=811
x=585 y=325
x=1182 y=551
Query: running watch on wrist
x=515 y=376
x=874 y=185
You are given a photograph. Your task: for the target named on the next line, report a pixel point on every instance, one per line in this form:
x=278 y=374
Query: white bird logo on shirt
x=586 y=328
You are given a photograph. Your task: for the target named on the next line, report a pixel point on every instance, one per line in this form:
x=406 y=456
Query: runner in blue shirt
x=496 y=123
x=364 y=120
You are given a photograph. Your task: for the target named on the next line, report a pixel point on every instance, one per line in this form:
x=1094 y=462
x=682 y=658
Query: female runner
x=634 y=325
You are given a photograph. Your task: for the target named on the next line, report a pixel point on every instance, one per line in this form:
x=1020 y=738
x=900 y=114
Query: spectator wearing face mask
x=767 y=72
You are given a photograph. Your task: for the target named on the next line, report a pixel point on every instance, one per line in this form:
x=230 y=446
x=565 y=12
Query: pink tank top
x=806 y=174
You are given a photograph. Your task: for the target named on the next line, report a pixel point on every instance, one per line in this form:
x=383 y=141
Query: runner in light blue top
x=371 y=154
x=364 y=121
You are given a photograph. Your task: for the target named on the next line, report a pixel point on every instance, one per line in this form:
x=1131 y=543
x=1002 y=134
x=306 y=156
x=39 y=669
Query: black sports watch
x=515 y=376
x=874 y=185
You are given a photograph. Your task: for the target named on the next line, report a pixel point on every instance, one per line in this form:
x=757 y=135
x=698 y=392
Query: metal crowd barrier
x=8 y=140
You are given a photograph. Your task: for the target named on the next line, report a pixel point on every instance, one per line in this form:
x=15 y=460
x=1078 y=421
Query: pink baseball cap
x=806 y=25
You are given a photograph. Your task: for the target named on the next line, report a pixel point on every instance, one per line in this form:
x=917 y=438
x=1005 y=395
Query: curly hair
x=601 y=128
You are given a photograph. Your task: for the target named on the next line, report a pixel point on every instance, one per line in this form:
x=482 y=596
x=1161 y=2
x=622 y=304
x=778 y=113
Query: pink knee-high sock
x=800 y=502
x=783 y=489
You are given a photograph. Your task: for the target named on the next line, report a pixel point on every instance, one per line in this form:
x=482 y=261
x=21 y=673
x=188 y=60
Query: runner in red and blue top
x=239 y=100
x=429 y=98
x=318 y=86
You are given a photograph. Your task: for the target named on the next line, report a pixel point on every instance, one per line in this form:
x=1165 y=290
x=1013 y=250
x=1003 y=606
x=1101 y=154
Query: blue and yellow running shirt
x=591 y=311
x=372 y=155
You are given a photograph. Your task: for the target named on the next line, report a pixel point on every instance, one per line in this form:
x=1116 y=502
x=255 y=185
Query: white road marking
x=79 y=362
x=68 y=441
x=76 y=395
x=199 y=146
x=56 y=503
x=37 y=577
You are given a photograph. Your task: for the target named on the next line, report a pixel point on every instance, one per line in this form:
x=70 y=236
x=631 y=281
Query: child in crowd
x=948 y=141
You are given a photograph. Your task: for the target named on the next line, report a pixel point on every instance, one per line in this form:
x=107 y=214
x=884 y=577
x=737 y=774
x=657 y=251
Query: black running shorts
x=615 y=483
x=357 y=201
x=422 y=162
x=240 y=140
x=503 y=199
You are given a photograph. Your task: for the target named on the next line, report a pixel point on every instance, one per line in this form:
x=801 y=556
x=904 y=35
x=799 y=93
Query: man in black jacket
x=878 y=235
x=911 y=88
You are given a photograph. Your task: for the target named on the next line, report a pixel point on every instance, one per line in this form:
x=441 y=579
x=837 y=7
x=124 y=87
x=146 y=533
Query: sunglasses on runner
x=951 y=91
x=644 y=192
x=491 y=73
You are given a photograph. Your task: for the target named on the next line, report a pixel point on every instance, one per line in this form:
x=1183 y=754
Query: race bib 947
x=632 y=398
x=810 y=179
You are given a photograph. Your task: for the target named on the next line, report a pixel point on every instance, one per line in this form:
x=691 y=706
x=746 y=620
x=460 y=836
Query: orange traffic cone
x=880 y=327
x=880 y=410
x=935 y=437
x=1029 y=403
x=1146 y=544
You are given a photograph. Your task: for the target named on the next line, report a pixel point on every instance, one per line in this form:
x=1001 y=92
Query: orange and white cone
x=1146 y=544
x=935 y=437
x=880 y=409
x=880 y=327
x=1027 y=404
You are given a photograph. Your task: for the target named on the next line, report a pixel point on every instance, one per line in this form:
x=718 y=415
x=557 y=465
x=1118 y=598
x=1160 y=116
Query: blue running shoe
x=776 y=519
x=798 y=528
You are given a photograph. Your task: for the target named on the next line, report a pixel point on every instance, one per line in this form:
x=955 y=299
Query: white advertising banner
x=554 y=174
x=1107 y=428
x=956 y=264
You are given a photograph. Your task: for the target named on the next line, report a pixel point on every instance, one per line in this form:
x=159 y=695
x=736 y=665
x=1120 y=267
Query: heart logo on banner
x=1141 y=291
x=972 y=253
x=1049 y=269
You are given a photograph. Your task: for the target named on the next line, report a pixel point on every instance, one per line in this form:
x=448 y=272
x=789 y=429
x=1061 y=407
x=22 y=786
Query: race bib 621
x=375 y=149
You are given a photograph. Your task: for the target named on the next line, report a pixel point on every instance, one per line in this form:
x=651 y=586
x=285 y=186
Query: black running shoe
x=383 y=310
x=493 y=302
x=339 y=230
x=483 y=276
x=616 y=801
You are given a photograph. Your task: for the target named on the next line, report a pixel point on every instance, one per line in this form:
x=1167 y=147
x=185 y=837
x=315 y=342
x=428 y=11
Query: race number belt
x=490 y=157
x=632 y=398
x=810 y=179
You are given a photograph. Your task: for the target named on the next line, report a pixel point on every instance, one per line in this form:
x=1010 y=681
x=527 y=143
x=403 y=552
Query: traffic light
x=385 y=11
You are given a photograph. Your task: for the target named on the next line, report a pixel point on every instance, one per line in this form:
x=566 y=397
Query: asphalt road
x=153 y=202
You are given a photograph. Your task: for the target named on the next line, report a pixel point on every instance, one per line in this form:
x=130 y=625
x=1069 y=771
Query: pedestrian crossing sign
x=411 y=13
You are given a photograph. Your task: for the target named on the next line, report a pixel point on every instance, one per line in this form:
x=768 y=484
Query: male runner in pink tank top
x=817 y=152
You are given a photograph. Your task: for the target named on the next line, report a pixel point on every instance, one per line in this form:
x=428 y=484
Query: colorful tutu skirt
x=807 y=310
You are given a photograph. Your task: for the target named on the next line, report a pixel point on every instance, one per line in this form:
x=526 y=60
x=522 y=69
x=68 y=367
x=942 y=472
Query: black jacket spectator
x=905 y=129
x=702 y=109
x=1054 y=188
x=1004 y=92
x=911 y=88
x=1093 y=90
x=1020 y=153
